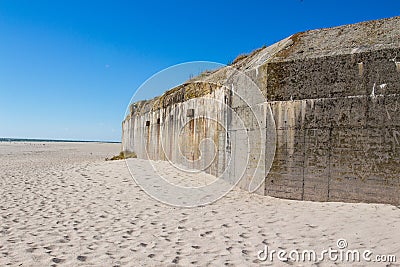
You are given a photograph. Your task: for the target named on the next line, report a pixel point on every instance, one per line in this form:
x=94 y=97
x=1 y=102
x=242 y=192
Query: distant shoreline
x=3 y=139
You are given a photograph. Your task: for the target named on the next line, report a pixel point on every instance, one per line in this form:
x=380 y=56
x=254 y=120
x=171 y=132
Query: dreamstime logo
x=217 y=126
x=341 y=243
x=341 y=254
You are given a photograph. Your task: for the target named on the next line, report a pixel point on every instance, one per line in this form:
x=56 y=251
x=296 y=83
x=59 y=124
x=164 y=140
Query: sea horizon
x=9 y=139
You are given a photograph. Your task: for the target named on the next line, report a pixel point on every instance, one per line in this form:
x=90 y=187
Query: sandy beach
x=62 y=204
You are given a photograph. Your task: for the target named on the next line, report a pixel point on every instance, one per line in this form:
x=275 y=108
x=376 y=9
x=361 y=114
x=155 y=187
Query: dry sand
x=62 y=204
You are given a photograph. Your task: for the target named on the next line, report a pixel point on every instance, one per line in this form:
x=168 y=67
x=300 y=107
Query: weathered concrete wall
x=338 y=140
x=335 y=100
x=214 y=131
x=160 y=131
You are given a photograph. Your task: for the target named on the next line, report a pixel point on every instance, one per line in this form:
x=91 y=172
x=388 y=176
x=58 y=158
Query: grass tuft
x=123 y=155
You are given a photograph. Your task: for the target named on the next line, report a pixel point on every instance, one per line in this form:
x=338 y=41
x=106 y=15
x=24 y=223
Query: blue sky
x=69 y=68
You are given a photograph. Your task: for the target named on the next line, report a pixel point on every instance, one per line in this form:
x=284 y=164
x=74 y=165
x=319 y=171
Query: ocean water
x=5 y=139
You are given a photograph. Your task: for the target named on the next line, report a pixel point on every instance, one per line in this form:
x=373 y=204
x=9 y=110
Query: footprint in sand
x=81 y=258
